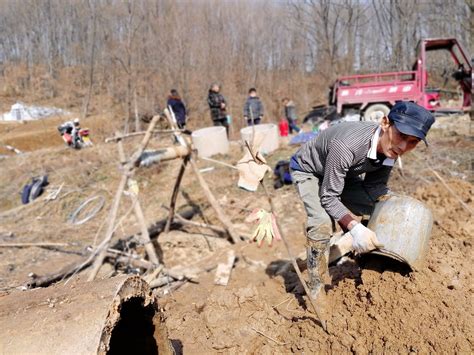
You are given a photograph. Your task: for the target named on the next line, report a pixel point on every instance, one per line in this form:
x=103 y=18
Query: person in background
x=290 y=114
x=218 y=107
x=253 y=108
x=178 y=107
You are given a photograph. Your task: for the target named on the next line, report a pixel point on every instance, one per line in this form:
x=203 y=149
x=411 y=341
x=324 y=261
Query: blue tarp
x=303 y=137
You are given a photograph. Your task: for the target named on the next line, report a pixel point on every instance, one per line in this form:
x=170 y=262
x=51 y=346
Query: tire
x=36 y=190
x=25 y=194
x=369 y=112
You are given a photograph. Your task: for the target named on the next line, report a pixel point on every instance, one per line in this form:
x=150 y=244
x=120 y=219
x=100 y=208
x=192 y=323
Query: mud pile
x=372 y=306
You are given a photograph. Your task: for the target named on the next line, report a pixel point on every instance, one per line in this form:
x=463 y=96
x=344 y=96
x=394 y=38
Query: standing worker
x=327 y=173
x=178 y=107
x=290 y=114
x=218 y=106
x=253 y=108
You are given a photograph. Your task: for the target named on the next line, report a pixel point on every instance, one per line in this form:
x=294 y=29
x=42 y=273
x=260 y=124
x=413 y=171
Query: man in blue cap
x=344 y=171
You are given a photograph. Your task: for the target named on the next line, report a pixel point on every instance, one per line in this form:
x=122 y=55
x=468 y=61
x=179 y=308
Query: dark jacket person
x=218 y=106
x=178 y=107
x=253 y=108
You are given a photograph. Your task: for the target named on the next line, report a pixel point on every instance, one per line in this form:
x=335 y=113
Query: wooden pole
x=200 y=225
x=101 y=250
x=145 y=236
x=450 y=190
x=163 y=154
x=446 y=186
x=141 y=148
x=24 y=245
x=234 y=236
x=174 y=195
x=294 y=263
x=287 y=246
x=66 y=271
x=135 y=134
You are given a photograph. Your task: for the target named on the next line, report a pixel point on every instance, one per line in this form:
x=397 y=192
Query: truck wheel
x=369 y=113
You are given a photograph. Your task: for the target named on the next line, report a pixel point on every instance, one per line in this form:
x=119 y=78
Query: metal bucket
x=403 y=225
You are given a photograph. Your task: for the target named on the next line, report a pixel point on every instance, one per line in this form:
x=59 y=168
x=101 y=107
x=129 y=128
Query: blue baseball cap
x=411 y=119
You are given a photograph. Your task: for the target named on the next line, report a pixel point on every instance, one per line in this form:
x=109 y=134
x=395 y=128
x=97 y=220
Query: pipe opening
x=134 y=333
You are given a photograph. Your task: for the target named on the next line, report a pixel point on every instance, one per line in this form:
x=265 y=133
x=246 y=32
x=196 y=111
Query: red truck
x=378 y=92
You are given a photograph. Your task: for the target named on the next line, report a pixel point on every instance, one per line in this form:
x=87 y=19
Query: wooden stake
x=23 y=245
x=66 y=271
x=135 y=134
x=200 y=225
x=293 y=261
x=450 y=190
x=446 y=186
x=174 y=195
x=234 y=236
x=208 y=226
x=287 y=246
x=141 y=148
x=145 y=236
x=101 y=251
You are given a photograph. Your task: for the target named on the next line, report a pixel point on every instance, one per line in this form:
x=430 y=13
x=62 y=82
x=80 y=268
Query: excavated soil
x=372 y=304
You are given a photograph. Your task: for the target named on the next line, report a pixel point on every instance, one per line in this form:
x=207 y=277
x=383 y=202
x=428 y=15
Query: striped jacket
x=341 y=152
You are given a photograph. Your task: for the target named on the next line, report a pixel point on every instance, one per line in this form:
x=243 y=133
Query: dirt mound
x=448 y=212
x=374 y=305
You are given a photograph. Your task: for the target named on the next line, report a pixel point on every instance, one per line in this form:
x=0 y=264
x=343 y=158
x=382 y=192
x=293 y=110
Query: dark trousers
x=293 y=127
x=222 y=122
x=255 y=121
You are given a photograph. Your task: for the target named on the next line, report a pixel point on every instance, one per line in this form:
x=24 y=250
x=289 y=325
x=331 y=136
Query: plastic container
x=270 y=132
x=210 y=141
x=283 y=127
x=403 y=225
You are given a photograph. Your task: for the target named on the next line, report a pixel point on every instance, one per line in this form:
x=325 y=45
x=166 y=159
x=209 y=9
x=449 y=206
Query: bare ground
x=373 y=305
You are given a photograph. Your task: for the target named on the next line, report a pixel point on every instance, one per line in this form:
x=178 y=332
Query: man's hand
x=363 y=239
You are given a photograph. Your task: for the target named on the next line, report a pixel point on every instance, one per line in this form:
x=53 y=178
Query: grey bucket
x=403 y=225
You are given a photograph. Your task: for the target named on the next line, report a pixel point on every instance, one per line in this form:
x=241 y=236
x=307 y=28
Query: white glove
x=363 y=239
x=266 y=229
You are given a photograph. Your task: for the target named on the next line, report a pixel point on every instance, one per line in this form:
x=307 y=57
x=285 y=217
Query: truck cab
x=369 y=93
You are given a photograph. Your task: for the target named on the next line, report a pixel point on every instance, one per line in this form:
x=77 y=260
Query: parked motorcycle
x=80 y=139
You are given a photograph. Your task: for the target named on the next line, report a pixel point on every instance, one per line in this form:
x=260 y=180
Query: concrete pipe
x=117 y=315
